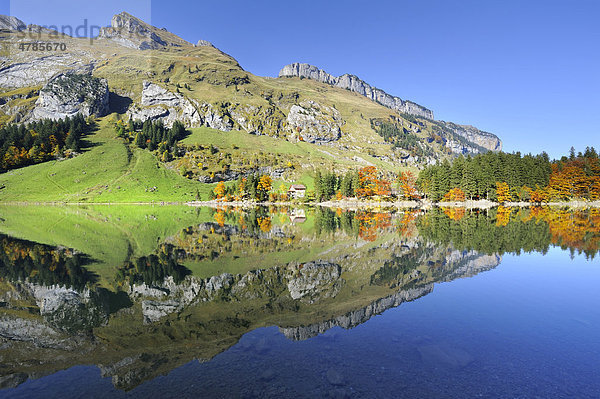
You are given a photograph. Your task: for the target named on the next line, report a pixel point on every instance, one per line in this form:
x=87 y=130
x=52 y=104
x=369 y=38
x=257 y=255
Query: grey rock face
x=69 y=309
x=40 y=70
x=18 y=329
x=315 y=281
x=204 y=43
x=11 y=23
x=154 y=310
x=72 y=94
x=353 y=83
x=315 y=123
x=483 y=139
x=160 y=104
x=354 y=318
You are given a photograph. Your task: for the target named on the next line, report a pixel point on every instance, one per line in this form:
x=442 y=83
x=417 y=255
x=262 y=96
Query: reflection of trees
x=394 y=269
x=153 y=269
x=577 y=230
x=370 y=223
x=22 y=260
x=329 y=221
x=509 y=230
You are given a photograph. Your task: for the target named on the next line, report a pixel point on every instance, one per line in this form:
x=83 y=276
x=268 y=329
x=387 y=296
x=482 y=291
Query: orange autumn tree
x=503 y=192
x=455 y=213
x=455 y=194
x=503 y=216
x=407 y=181
x=538 y=195
x=219 y=217
x=384 y=188
x=367 y=182
x=220 y=190
x=578 y=177
x=370 y=223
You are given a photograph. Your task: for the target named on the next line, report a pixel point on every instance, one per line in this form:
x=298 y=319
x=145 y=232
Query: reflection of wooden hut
x=297 y=191
x=298 y=216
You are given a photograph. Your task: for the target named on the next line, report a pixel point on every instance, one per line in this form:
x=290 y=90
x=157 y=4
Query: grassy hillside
x=106 y=171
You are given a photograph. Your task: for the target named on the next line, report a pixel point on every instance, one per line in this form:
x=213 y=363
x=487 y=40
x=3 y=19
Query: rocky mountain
x=11 y=23
x=162 y=325
x=153 y=74
x=134 y=33
x=353 y=83
x=482 y=139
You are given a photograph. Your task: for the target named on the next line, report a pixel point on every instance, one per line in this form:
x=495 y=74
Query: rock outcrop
x=204 y=43
x=315 y=123
x=39 y=70
x=478 y=137
x=67 y=95
x=353 y=83
x=159 y=103
x=314 y=281
x=132 y=32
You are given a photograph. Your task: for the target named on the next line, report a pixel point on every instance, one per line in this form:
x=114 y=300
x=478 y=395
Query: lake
x=178 y=301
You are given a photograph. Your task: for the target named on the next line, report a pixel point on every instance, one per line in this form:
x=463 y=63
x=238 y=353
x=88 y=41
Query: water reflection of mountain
x=196 y=292
x=457 y=265
x=158 y=315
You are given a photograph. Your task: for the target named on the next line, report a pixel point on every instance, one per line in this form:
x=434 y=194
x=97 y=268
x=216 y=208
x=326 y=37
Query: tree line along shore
x=484 y=179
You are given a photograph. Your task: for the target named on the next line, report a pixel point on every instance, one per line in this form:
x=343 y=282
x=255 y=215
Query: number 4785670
x=35 y=46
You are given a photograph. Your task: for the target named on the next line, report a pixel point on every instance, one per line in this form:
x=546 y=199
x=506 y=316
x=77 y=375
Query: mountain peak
x=11 y=23
x=132 y=32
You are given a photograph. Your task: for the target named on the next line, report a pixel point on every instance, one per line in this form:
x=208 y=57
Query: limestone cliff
x=483 y=139
x=469 y=140
x=353 y=83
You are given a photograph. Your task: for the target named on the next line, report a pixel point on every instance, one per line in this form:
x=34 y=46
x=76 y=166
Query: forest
x=152 y=135
x=41 y=141
x=504 y=177
x=152 y=269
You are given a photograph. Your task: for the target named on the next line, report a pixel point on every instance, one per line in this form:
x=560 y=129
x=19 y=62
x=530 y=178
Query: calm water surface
x=184 y=302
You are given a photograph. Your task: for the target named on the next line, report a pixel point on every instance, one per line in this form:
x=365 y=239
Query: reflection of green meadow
x=112 y=235
x=108 y=234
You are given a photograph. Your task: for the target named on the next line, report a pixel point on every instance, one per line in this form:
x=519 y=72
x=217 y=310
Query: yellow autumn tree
x=263 y=187
x=220 y=190
x=503 y=192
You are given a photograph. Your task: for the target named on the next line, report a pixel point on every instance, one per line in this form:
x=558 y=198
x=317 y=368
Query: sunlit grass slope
x=107 y=171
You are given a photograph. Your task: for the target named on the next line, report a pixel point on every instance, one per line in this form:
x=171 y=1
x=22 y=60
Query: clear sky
x=527 y=71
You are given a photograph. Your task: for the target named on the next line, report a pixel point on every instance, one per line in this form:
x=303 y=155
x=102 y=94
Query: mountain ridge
x=347 y=81
x=357 y=85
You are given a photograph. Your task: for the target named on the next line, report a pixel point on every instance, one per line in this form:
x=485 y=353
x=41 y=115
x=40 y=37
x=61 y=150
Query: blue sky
x=524 y=70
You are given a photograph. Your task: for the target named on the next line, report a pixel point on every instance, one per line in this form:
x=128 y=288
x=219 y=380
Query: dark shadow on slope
x=117 y=103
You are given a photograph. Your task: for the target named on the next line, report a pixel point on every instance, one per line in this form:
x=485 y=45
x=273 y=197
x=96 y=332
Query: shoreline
x=347 y=204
